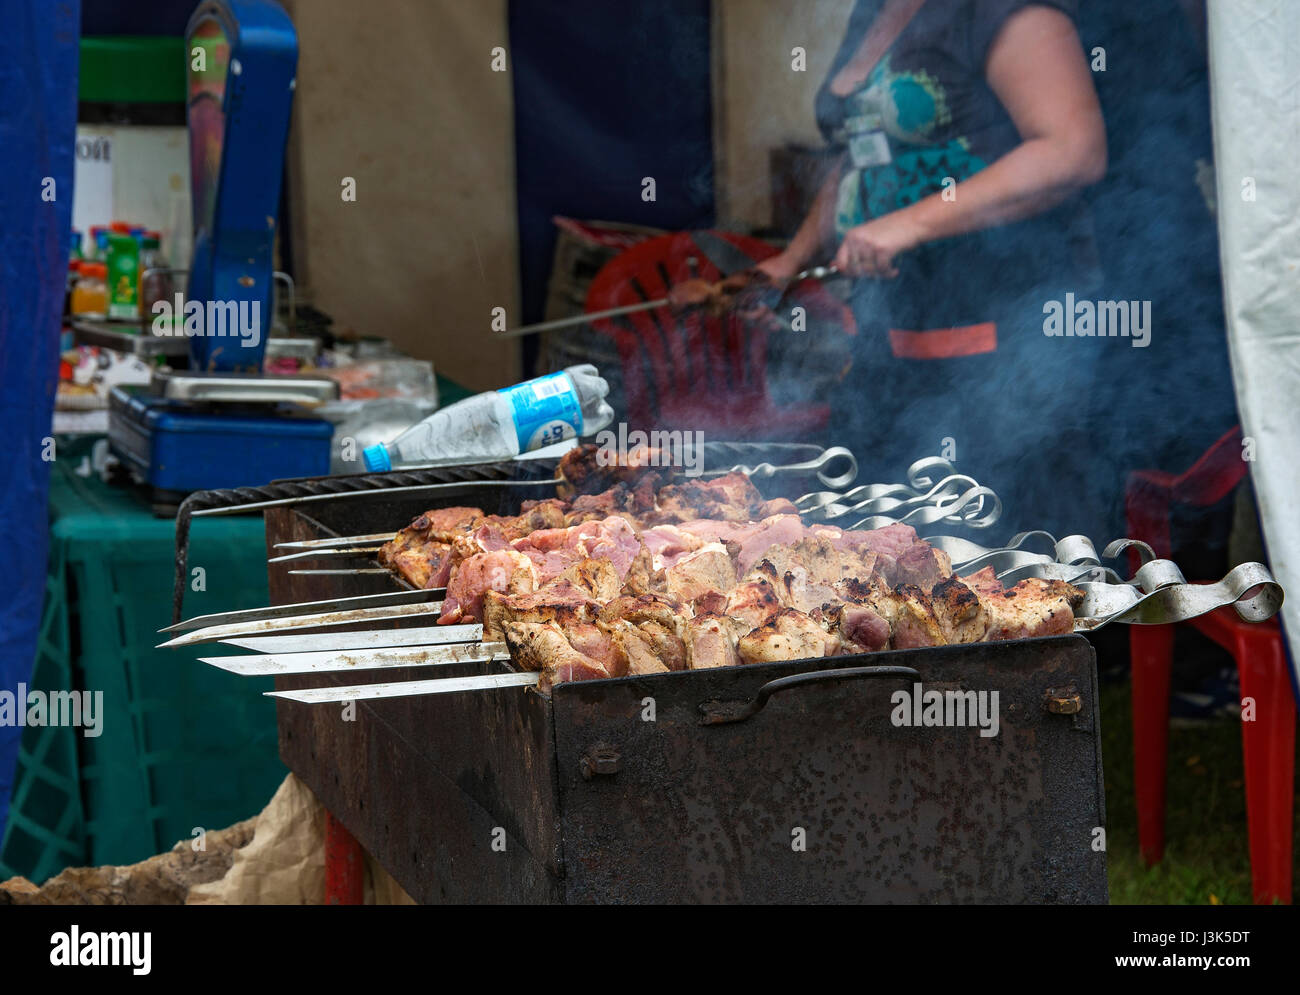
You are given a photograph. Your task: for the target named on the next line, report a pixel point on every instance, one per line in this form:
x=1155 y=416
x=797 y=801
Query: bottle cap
x=376 y=459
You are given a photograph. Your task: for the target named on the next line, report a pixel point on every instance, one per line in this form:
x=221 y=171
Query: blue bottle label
x=546 y=411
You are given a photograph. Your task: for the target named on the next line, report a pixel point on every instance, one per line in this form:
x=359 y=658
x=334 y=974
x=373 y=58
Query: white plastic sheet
x=1255 y=87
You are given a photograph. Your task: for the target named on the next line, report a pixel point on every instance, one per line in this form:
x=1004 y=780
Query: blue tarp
x=38 y=116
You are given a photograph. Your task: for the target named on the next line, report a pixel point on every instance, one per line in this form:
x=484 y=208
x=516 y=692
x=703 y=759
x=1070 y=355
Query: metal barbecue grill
x=785 y=782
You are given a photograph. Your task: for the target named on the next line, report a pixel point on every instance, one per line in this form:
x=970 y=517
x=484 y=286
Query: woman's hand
x=780 y=269
x=869 y=249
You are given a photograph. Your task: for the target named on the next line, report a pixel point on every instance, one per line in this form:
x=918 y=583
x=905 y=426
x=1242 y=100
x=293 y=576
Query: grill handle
x=714 y=713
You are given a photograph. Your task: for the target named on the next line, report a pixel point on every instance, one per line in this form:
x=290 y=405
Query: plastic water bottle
x=501 y=424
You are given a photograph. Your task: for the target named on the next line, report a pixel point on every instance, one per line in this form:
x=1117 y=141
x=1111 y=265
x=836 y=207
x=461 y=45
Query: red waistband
x=944 y=343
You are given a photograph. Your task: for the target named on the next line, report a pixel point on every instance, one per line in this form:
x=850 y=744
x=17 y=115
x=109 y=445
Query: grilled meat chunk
x=959 y=611
x=710 y=640
x=417 y=564
x=750 y=293
x=543 y=647
x=922 y=565
x=560 y=602
x=635 y=652
x=589 y=469
x=417 y=551
x=789 y=635
x=708 y=568
x=856 y=628
x=643 y=608
x=729 y=498
x=503 y=570
x=914 y=623
x=1034 y=607
x=595 y=576
x=754 y=602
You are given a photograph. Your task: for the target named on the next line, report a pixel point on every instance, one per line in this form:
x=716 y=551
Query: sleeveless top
x=941 y=120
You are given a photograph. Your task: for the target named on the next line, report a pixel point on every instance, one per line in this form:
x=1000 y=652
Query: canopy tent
x=1255 y=79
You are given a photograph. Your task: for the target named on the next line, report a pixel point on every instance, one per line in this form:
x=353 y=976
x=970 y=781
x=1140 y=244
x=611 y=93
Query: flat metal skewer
x=340 y=573
x=322 y=620
x=401 y=689
x=331 y=661
x=336 y=541
x=303 y=608
x=315 y=554
x=301 y=642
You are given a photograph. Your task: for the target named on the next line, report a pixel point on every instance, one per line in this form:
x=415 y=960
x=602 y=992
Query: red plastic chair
x=693 y=372
x=1268 y=743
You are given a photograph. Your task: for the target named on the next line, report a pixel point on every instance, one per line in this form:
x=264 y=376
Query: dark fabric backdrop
x=38 y=116
x=606 y=94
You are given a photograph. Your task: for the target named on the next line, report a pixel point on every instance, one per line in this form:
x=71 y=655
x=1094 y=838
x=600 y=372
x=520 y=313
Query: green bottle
x=123 y=277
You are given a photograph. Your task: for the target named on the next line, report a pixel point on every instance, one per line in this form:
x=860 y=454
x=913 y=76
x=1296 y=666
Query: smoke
x=1087 y=411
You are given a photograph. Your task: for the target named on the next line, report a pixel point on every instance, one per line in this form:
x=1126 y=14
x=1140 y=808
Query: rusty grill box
x=512 y=796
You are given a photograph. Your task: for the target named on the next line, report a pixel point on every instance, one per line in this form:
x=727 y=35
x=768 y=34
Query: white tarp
x=1255 y=93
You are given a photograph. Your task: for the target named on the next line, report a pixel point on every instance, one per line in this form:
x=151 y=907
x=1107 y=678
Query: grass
x=1206 y=860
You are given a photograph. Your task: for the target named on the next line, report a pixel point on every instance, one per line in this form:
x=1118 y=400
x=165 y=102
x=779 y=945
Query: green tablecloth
x=184 y=746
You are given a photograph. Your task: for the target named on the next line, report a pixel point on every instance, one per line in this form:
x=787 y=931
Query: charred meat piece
x=617 y=500
x=664 y=643
x=729 y=498
x=789 y=635
x=959 y=611
x=594 y=576
x=815 y=556
x=417 y=564
x=754 y=602
x=642 y=577
x=543 y=647
x=590 y=469
x=417 y=551
x=645 y=608
x=559 y=602
x=634 y=652
x=906 y=609
x=1034 y=607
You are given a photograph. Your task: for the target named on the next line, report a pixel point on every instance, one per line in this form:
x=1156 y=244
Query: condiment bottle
x=90 y=292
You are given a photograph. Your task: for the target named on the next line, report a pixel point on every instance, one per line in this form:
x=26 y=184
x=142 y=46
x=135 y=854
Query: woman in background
x=966 y=130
